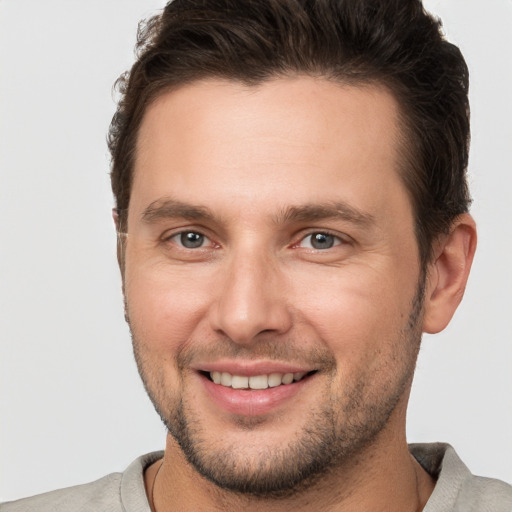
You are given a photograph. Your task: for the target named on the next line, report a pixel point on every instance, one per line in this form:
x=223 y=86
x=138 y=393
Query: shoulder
x=485 y=494
x=457 y=489
x=103 y=494
x=116 y=492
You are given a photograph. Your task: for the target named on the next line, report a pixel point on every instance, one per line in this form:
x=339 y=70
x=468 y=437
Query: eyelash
x=337 y=240
x=180 y=234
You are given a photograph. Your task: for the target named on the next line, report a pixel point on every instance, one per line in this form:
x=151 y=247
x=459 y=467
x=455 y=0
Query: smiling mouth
x=265 y=381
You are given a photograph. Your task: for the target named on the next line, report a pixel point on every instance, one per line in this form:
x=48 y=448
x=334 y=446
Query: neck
x=384 y=477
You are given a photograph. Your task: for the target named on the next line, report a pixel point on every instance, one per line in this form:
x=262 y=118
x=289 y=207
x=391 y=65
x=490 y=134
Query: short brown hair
x=394 y=43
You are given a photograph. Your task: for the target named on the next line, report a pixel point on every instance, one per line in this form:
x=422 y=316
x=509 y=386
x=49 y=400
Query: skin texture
x=256 y=171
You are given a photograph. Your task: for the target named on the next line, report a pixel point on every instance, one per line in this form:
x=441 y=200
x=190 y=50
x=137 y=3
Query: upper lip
x=252 y=368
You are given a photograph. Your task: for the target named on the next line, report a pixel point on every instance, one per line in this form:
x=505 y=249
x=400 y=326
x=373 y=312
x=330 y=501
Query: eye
x=319 y=241
x=190 y=239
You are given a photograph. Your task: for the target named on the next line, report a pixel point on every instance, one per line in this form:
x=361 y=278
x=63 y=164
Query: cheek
x=164 y=309
x=357 y=315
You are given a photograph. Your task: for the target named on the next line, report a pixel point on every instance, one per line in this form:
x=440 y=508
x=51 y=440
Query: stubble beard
x=336 y=434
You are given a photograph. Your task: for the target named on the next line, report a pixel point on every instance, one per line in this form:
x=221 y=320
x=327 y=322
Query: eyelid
x=168 y=235
x=178 y=237
x=342 y=237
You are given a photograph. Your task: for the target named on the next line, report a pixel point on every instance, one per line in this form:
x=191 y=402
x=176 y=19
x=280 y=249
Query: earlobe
x=448 y=274
x=120 y=242
x=115 y=216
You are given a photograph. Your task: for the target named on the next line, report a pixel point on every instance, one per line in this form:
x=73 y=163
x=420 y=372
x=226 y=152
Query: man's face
x=269 y=238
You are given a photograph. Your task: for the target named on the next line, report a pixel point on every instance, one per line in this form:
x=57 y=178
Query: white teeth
x=239 y=382
x=275 y=379
x=287 y=378
x=225 y=379
x=256 y=381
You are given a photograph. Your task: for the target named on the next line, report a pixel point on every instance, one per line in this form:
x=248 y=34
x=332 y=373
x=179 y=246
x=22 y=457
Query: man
x=292 y=212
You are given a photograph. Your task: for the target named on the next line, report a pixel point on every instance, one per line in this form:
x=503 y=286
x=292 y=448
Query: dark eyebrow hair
x=331 y=210
x=170 y=208
x=167 y=208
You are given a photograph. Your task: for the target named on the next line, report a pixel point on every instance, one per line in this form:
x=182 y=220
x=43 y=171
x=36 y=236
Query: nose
x=251 y=299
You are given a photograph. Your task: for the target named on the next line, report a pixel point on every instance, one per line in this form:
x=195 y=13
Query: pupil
x=322 y=241
x=191 y=240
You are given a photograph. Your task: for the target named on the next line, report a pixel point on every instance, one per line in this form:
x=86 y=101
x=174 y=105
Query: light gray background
x=72 y=408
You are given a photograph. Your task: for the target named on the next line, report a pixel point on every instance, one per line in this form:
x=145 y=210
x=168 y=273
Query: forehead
x=289 y=140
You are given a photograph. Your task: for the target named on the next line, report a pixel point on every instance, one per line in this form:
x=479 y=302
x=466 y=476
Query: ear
x=120 y=242
x=447 y=275
x=115 y=216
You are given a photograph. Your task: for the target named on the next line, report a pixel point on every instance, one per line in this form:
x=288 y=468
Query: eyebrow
x=167 y=208
x=171 y=209
x=324 y=211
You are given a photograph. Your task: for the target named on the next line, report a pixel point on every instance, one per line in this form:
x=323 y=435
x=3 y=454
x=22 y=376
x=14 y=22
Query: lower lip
x=245 y=402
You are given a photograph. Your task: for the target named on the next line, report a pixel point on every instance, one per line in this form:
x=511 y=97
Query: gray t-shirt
x=457 y=490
